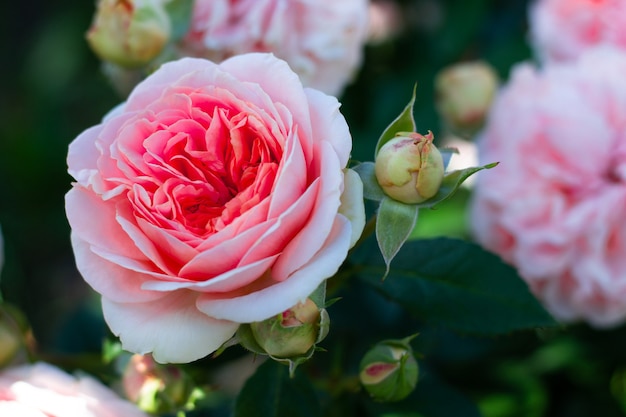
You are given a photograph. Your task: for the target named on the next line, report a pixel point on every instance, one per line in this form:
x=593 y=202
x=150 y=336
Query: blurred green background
x=53 y=89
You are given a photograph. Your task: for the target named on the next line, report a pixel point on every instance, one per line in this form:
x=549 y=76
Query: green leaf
x=451 y=182
x=403 y=123
x=271 y=393
x=394 y=224
x=459 y=285
x=371 y=188
x=180 y=17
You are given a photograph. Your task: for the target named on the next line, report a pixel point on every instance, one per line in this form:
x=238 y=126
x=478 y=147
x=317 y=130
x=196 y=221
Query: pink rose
x=41 y=390
x=211 y=198
x=556 y=208
x=321 y=40
x=564 y=29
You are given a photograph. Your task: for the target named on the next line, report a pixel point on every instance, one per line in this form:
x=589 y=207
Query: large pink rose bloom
x=41 y=390
x=211 y=197
x=322 y=40
x=564 y=29
x=556 y=208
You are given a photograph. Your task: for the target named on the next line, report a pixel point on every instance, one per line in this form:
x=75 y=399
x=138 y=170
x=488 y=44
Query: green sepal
x=371 y=189
x=394 y=224
x=450 y=184
x=405 y=122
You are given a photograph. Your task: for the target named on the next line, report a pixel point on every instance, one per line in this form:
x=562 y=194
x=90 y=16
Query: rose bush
x=211 y=198
x=564 y=29
x=41 y=390
x=321 y=40
x=557 y=207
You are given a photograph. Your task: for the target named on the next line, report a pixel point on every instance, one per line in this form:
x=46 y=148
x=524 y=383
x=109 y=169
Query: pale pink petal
x=222 y=257
x=171 y=328
x=301 y=248
x=150 y=89
x=231 y=280
x=291 y=179
x=110 y=280
x=284 y=228
x=82 y=156
x=277 y=80
x=94 y=221
x=328 y=123
x=352 y=204
x=277 y=298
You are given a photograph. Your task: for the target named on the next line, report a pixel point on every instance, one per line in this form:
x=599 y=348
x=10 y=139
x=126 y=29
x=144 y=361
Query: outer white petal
x=352 y=205
x=171 y=328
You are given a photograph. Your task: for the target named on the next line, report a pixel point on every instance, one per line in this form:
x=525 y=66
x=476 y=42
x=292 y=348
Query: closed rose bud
x=15 y=336
x=389 y=370
x=409 y=168
x=129 y=33
x=155 y=388
x=464 y=94
x=292 y=333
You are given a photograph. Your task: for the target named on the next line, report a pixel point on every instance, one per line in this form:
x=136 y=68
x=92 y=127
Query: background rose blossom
x=211 y=198
x=556 y=208
x=41 y=390
x=321 y=40
x=564 y=29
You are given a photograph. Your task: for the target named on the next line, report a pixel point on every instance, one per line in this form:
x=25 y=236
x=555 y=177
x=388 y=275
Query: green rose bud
x=389 y=370
x=409 y=168
x=293 y=332
x=154 y=387
x=464 y=95
x=16 y=339
x=129 y=33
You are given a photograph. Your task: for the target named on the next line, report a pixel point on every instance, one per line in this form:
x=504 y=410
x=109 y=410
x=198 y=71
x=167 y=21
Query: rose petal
x=302 y=247
x=262 y=304
x=328 y=123
x=229 y=281
x=352 y=204
x=82 y=207
x=110 y=280
x=171 y=328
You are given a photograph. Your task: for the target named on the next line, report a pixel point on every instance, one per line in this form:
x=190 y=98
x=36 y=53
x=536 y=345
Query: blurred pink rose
x=41 y=390
x=564 y=29
x=211 y=198
x=321 y=40
x=556 y=208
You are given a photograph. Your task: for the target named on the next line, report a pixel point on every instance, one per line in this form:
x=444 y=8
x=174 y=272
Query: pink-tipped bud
x=389 y=370
x=464 y=93
x=409 y=168
x=155 y=388
x=129 y=33
x=292 y=333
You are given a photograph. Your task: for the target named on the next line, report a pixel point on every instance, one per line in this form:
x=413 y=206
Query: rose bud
x=464 y=94
x=389 y=370
x=409 y=168
x=15 y=336
x=129 y=33
x=293 y=332
x=155 y=388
